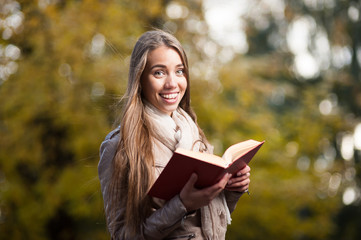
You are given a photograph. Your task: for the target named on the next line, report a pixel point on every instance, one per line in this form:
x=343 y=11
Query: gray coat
x=169 y=220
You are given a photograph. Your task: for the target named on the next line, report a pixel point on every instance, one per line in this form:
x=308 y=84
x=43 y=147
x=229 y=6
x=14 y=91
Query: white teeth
x=169 y=96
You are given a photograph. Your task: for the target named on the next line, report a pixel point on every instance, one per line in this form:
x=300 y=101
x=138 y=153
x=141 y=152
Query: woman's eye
x=180 y=72
x=159 y=73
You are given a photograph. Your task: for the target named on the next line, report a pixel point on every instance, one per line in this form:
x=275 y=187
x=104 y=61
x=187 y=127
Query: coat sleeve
x=161 y=222
x=232 y=199
x=107 y=153
x=166 y=219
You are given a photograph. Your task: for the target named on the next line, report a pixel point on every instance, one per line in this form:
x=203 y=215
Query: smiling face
x=164 y=81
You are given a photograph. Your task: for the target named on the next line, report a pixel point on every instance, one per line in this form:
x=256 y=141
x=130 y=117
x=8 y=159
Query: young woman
x=156 y=119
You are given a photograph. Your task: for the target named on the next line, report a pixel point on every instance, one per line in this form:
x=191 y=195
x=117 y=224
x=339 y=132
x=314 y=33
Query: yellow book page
x=237 y=150
x=205 y=157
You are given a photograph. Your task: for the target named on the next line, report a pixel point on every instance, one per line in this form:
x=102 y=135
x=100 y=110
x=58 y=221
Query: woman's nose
x=171 y=81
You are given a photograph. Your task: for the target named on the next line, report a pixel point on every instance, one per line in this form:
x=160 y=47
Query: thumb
x=191 y=181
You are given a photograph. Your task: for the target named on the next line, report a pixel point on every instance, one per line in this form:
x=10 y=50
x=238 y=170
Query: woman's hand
x=240 y=182
x=194 y=198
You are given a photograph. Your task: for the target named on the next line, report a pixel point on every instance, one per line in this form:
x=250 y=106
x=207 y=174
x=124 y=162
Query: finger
x=239 y=179
x=241 y=183
x=186 y=193
x=244 y=170
x=219 y=186
x=225 y=179
x=238 y=187
x=191 y=181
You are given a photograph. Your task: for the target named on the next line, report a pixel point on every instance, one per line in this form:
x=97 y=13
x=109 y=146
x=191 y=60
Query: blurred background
x=283 y=71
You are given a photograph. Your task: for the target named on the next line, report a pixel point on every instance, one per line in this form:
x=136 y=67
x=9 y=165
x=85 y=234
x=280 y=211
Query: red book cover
x=209 y=168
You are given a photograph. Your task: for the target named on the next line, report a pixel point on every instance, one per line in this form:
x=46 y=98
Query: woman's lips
x=169 y=95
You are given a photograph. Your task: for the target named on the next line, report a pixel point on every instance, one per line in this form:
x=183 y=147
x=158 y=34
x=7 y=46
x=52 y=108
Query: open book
x=209 y=168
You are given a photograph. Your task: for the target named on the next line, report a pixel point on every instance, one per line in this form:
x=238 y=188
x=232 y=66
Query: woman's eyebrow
x=158 y=66
x=164 y=66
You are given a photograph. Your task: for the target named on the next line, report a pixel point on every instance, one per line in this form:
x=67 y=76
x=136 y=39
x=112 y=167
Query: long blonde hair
x=133 y=163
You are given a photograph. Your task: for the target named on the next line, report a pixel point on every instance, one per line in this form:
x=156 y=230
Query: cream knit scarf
x=180 y=131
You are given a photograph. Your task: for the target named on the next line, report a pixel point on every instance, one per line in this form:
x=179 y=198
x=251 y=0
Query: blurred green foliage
x=59 y=105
